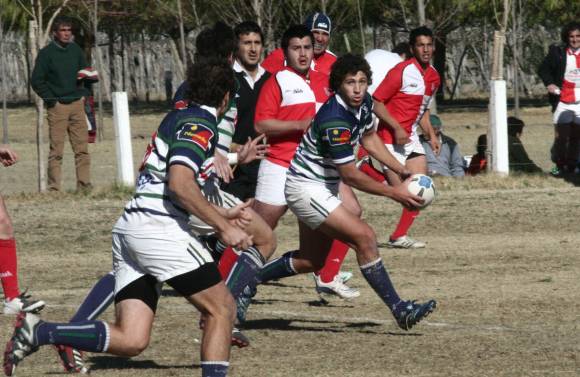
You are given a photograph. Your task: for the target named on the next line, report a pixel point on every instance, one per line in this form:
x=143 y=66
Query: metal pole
x=123 y=146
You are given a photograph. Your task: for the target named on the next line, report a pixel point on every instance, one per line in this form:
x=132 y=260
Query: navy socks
x=378 y=278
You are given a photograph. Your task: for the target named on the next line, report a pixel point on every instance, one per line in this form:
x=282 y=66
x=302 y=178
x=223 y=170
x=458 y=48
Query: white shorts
x=311 y=202
x=271 y=181
x=163 y=256
x=200 y=228
x=567 y=113
x=402 y=152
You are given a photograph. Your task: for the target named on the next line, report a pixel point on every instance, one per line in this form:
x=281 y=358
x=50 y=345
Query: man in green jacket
x=54 y=79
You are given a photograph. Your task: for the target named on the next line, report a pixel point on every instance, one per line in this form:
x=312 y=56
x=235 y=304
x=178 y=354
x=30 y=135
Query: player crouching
x=324 y=158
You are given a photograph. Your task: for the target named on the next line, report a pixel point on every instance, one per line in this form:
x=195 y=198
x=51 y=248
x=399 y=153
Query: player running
x=152 y=242
x=324 y=159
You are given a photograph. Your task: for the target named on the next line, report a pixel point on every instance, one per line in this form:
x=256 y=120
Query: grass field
x=502 y=261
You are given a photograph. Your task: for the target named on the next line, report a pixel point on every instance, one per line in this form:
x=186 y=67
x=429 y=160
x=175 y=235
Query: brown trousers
x=68 y=118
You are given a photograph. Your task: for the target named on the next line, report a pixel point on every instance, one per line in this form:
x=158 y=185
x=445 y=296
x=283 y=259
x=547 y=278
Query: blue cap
x=319 y=21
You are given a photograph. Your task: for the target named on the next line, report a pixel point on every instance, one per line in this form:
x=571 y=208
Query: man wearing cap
x=449 y=161
x=321 y=26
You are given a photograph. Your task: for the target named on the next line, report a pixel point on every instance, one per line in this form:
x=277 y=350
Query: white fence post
x=125 y=175
x=498 y=128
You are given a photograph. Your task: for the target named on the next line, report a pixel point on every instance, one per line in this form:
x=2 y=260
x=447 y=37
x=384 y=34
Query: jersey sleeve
x=390 y=85
x=191 y=144
x=268 y=105
x=335 y=139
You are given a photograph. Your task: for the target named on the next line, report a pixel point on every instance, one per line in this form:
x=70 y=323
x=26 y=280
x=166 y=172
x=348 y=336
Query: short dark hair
x=248 y=27
x=295 y=31
x=348 y=64
x=515 y=126
x=61 y=21
x=403 y=48
x=217 y=41
x=415 y=33
x=215 y=71
x=567 y=29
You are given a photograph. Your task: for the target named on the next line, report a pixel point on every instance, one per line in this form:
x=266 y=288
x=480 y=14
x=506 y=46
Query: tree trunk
x=33 y=36
x=3 y=76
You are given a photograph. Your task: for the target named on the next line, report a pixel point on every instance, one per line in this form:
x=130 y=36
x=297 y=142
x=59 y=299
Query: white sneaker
x=22 y=303
x=335 y=288
x=345 y=276
x=405 y=242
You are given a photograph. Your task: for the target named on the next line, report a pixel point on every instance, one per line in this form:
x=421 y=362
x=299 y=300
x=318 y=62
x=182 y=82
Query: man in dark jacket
x=54 y=79
x=560 y=71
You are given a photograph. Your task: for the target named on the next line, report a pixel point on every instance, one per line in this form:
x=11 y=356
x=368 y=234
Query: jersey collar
x=240 y=69
x=355 y=112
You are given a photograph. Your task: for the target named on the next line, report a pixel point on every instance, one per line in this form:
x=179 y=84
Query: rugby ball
x=422 y=185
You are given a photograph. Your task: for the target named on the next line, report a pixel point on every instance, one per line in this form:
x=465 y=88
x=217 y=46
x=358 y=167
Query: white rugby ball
x=422 y=185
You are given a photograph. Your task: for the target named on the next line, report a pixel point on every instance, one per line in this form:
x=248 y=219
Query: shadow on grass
x=114 y=362
x=331 y=326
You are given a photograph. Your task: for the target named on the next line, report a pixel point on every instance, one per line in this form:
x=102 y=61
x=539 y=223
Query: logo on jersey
x=198 y=134
x=338 y=136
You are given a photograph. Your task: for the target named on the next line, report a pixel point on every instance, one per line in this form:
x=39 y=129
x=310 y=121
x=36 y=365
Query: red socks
x=405 y=222
x=8 y=268
x=227 y=261
x=333 y=262
x=370 y=170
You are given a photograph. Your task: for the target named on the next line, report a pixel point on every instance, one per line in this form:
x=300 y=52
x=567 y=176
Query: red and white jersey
x=381 y=62
x=406 y=92
x=571 y=84
x=276 y=61
x=287 y=95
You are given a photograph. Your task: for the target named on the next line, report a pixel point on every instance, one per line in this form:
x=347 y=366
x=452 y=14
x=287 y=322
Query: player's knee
x=366 y=240
x=136 y=345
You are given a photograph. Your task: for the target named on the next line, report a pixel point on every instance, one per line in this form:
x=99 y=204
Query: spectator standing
x=560 y=72
x=54 y=79
x=449 y=161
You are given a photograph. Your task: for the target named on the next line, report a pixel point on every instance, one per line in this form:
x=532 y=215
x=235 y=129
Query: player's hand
x=402 y=195
x=7 y=156
x=240 y=215
x=405 y=173
x=401 y=137
x=222 y=167
x=435 y=145
x=235 y=237
x=253 y=150
x=553 y=89
x=211 y=190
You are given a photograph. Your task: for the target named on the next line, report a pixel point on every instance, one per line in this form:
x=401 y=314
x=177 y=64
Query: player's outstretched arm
x=186 y=193
x=375 y=147
x=401 y=136
x=7 y=156
x=353 y=177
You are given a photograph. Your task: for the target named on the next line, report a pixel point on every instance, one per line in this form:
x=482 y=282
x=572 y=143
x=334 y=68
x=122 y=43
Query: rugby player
x=152 y=241
x=401 y=102
x=321 y=26
x=324 y=159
